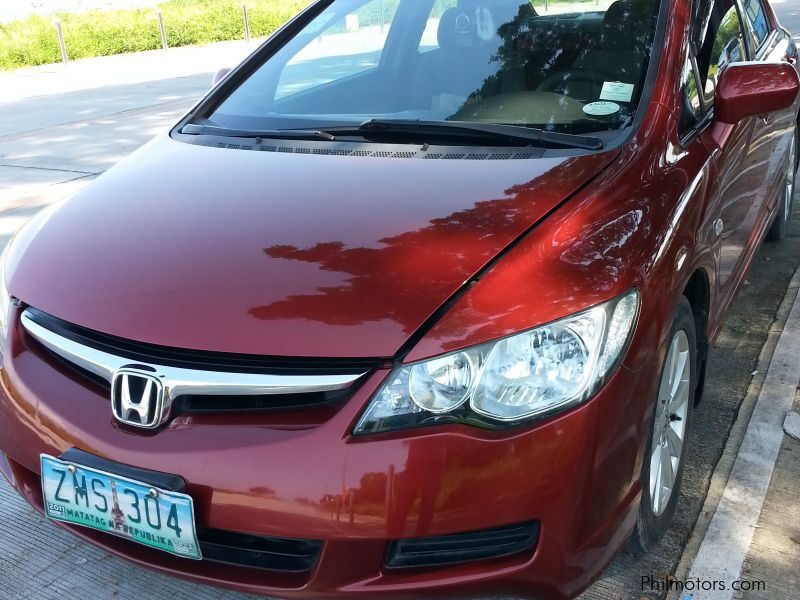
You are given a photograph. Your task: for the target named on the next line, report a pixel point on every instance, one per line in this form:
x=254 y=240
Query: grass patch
x=33 y=41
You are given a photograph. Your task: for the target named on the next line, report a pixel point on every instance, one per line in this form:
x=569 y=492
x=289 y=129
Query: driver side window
x=758 y=21
x=724 y=45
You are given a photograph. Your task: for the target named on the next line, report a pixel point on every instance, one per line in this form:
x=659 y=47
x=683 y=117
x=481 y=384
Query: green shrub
x=33 y=41
x=29 y=42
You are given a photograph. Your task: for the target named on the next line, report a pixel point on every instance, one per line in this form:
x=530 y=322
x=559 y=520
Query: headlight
x=521 y=377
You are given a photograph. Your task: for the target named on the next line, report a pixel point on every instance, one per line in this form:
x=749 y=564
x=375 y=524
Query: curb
x=724 y=467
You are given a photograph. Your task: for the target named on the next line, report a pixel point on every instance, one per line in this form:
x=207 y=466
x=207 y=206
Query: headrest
x=625 y=22
x=463 y=28
x=455 y=29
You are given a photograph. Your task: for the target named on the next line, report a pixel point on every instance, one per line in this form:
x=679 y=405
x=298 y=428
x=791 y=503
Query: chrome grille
x=197 y=375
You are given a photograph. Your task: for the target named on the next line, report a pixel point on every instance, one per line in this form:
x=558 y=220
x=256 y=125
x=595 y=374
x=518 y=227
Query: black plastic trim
x=260 y=552
x=258 y=402
x=164 y=481
x=457 y=548
x=201 y=359
x=653 y=65
x=359 y=149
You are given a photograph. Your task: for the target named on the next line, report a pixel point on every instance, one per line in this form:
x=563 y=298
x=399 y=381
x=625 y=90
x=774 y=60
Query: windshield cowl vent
x=372 y=150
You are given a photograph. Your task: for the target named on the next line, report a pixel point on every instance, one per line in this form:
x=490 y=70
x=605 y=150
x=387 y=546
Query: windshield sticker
x=616 y=91
x=601 y=109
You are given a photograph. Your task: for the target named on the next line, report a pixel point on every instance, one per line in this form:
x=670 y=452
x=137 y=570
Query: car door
x=740 y=163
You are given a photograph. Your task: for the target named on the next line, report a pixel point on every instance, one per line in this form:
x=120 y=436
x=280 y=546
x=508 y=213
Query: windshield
x=571 y=66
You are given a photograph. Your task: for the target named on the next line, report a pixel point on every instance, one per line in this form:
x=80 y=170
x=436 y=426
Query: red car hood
x=279 y=254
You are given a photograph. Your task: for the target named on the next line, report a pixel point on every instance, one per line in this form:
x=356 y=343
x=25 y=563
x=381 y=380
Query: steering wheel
x=560 y=81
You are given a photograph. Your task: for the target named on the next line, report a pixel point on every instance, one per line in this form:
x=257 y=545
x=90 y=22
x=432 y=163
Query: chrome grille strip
x=180 y=381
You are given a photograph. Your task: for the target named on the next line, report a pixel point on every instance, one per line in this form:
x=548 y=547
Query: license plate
x=114 y=504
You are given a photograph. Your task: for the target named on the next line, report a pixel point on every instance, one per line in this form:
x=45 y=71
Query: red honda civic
x=416 y=301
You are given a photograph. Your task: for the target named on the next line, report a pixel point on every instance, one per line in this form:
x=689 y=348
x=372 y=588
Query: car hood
x=279 y=254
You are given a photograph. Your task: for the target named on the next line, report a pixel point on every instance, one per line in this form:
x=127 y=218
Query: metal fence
x=159 y=17
x=160 y=20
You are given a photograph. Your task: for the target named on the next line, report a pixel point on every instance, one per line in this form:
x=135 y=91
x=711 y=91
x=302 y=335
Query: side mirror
x=219 y=75
x=750 y=88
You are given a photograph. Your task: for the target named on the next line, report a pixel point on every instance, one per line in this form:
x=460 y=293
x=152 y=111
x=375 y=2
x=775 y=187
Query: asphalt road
x=788 y=12
x=52 y=142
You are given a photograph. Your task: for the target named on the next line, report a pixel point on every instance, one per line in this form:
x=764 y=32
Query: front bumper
x=575 y=475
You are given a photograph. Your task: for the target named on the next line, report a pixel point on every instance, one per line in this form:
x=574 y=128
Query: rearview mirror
x=219 y=75
x=753 y=88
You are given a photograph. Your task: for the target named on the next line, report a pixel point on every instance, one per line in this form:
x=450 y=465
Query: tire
x=780 y=226
x=655 y=518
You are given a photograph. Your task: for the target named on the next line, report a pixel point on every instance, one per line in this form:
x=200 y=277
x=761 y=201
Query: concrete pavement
x=788 y=12
x=59 y=128
x=68 y=123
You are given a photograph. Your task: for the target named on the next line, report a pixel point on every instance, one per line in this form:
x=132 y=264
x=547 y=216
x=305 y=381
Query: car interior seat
x=445 y=77
x=619 y=57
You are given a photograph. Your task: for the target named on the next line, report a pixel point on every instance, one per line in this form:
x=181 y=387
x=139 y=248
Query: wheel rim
x=790 y=177
x=669 y=424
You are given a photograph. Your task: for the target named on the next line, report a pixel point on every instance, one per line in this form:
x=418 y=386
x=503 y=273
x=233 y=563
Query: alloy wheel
x=669 y=424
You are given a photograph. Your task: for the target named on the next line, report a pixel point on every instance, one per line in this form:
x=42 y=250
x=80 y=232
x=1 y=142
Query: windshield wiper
x=494 y=131
x=453 y=129
x=285 y=134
